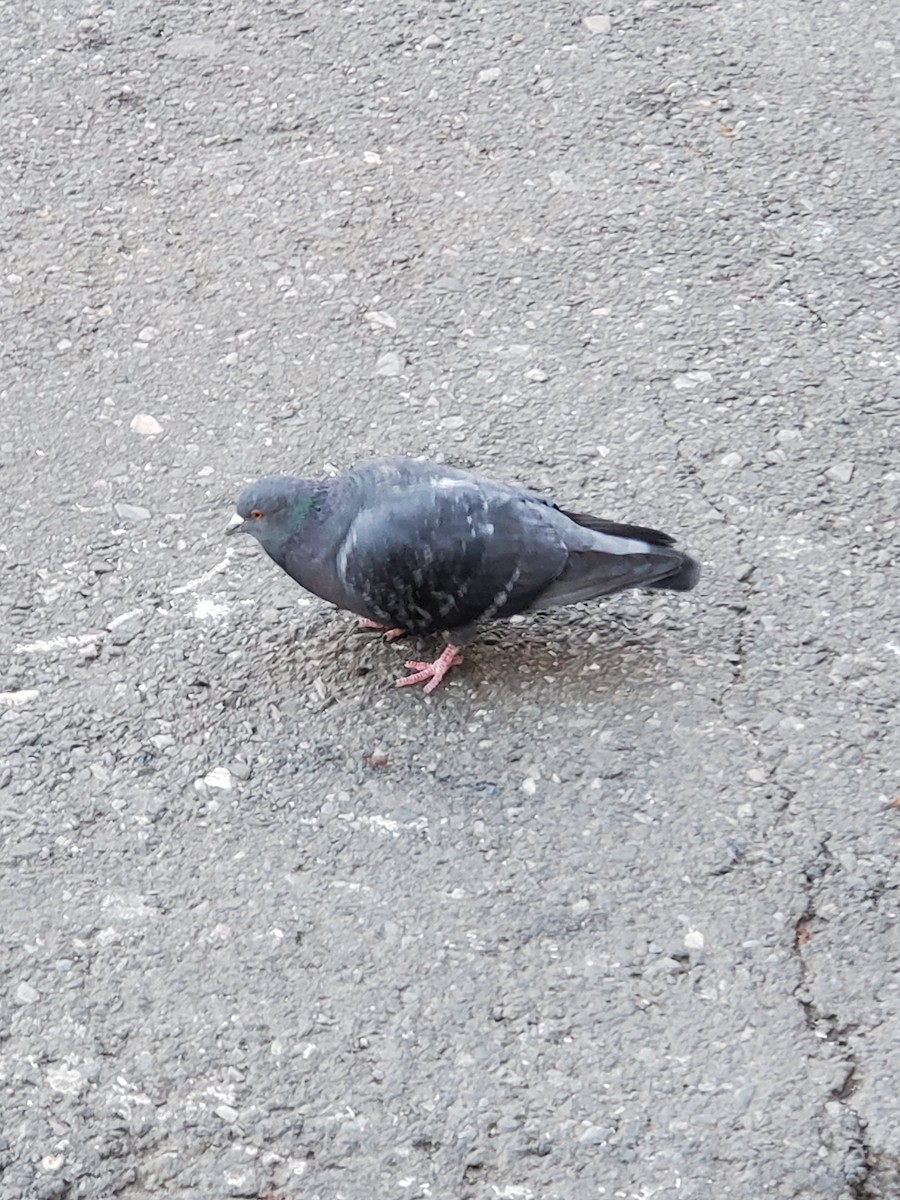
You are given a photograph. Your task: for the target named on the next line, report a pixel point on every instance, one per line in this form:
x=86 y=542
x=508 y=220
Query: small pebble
x=594 y=1136
x=132 y=512
x=562 y=181
x=841 y=472
x=148 y=333
x=537 y=375
x=145 y=424
x=380 y=319
x=664 y=965
x=597 y=23
x=432 y=42
x=389 y=365
x=218 y=777
x=26 y=994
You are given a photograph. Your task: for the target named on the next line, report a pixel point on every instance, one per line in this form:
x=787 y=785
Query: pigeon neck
x=309 y=501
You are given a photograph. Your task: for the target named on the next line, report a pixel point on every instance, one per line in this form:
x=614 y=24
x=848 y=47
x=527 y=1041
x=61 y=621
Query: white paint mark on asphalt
x=58 y=643
x=209 y=610
x=204 y=609
x=390 y=824
x=193 y=584
x=17 y=699
x=123 y=617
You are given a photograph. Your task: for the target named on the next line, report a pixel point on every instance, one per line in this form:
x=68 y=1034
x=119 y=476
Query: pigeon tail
x=639 y=533
x=589 y=574
x=686 y=577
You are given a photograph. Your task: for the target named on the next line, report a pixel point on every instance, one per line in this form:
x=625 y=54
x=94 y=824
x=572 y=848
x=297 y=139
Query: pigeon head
x=274 y=509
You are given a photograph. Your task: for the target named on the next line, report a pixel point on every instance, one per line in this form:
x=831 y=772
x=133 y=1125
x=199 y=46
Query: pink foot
x=390 y=635
x=434 y=672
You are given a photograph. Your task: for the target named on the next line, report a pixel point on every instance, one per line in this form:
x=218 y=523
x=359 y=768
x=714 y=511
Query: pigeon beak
x=236 y=524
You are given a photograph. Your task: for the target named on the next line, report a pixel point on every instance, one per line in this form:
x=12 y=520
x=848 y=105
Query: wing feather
x=432 y=551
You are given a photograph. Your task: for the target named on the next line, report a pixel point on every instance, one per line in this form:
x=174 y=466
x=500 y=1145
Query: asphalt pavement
x=614 y=912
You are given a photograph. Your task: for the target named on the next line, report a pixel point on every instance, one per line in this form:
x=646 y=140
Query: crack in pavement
x=859 y=1165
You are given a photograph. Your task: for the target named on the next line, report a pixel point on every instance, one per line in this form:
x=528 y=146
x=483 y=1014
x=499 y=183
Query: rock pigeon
x=418 y=547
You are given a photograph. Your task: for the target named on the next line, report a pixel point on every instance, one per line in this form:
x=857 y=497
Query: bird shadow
x=328 y=660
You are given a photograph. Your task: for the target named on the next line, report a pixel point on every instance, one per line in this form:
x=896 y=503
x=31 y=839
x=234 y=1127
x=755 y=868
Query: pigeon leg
x=390 y=635
x=434 y=672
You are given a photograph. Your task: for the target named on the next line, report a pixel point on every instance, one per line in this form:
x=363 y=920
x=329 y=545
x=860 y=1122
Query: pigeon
x=417 y=547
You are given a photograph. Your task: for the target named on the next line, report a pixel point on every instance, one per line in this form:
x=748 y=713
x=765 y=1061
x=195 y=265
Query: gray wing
x=432 y=548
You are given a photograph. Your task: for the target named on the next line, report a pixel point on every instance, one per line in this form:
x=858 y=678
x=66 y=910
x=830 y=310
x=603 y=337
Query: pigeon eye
x=257 y=514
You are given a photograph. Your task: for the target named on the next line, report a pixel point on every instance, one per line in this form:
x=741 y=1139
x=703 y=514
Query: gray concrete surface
x=618 y=916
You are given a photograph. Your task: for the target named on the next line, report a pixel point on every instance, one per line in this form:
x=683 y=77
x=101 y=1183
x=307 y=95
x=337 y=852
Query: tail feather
x=592 y=573
x=606 y=557
x=639 y=533
x=683 y=579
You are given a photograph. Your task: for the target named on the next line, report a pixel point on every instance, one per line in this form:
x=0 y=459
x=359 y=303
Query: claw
x=433 y=672
x=390 y=635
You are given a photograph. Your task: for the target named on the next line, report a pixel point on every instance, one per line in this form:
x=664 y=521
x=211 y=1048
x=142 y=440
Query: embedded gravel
x=613 y=913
